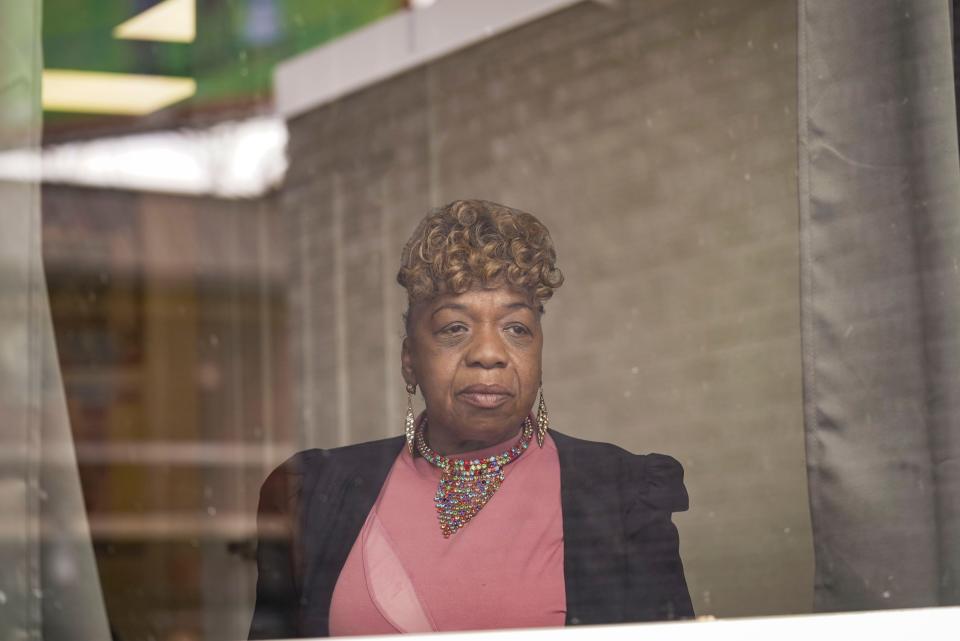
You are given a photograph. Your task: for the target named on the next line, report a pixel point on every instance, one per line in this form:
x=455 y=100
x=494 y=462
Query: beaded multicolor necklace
x=467 y=485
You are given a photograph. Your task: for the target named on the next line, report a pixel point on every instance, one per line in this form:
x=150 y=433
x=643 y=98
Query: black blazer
x=621 y=550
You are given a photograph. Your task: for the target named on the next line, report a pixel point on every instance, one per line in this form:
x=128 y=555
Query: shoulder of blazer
x=656 y=480
x=622 y=559
x=301 y=472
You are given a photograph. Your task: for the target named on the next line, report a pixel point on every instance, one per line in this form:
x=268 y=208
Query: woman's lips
x=485 y=396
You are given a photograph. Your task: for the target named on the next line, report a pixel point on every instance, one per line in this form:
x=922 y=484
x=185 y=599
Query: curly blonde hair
x=477 y=243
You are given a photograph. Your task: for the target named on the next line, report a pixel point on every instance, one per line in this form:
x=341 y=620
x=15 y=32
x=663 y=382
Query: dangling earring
x=409 y=430
x=543 y=421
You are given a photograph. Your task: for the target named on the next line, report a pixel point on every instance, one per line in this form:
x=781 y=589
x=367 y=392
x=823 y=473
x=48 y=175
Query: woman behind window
x=481 y=515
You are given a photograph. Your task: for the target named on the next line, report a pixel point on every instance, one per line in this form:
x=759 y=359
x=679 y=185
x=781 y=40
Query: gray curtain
x=880 y=265
x=49 y=586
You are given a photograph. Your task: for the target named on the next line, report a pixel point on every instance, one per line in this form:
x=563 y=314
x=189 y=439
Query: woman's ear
x=406 y=362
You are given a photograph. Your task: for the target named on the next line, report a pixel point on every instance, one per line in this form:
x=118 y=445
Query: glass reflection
x=205 y=205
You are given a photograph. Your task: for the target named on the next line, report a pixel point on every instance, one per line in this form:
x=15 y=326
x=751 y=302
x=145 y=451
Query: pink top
x=503 y=569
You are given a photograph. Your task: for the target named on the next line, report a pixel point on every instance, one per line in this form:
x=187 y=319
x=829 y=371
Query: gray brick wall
x=656 y=139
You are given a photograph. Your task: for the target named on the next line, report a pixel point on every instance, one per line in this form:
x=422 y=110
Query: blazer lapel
x=337 y=507
x=594 y=548
x=361 y=488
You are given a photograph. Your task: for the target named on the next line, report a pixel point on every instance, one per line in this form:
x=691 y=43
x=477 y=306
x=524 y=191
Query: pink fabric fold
x=388 y=583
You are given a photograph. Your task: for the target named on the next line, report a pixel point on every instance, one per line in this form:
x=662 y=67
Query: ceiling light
x=112 y=93
x=169 y=21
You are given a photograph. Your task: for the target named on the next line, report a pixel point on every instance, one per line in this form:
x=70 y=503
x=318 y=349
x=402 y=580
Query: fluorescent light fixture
x=231 y=160
x=112 y=93
x=169 y=21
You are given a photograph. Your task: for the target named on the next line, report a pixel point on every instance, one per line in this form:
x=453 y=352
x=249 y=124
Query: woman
x=480 y=516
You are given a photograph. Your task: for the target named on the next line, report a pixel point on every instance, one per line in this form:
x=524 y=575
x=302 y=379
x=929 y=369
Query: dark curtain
x=880 y=268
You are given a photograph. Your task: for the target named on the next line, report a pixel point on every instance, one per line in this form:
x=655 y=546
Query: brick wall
x=656 y=139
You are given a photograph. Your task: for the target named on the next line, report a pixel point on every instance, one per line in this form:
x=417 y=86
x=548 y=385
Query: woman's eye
x=518 y=330
x=453 y=329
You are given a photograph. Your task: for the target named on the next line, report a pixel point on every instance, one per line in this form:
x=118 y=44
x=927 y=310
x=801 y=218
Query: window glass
x=753 y=205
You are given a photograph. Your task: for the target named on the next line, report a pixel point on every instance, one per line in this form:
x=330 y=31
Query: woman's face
x=476 y=358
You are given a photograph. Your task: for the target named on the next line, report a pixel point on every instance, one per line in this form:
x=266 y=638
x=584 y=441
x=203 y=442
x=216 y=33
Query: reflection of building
x=169 y=314
x=170 y=310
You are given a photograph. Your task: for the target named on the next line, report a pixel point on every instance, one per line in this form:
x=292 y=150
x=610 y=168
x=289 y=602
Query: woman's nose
x=487 y=349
